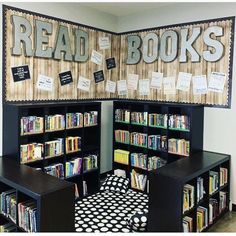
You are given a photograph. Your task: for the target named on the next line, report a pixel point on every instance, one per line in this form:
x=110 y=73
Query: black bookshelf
x=194 y=134
x=90 y=137
x=44 y=189
x=166 y=191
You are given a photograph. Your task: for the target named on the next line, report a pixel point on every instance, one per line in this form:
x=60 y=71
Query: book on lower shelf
x=122 y=136
x=223 y=201
x=179 y=146
x=138 y=181
x=27 y=215
x=121 y=156
x=76 y=191
x=139 y=118
x=85 y=188
x=138 y=160
x=213 y=209
x=223 y=176
x=155 y=162
x=202 y=218
x=73 y=167
x=157 y=142
x=90 y=162
x=138 y=139
x=74 y=120
x=31 y=152
x=200 y=189
x=213 y=182
x=73 y=144
x=31 y=125
x=187 y=224
x=181 y=122
x=188 y=197
x=90 y=118
x=54 y=122
x=54 y=147
x=56 y=170
x=122 y=115
x=158 y=120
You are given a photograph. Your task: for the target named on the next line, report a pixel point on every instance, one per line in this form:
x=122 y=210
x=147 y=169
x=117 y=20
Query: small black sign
x=20 y=73
x=98 y=76
x=111 y=63
x=65 y=78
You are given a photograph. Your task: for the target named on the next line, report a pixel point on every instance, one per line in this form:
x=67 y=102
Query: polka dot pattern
x=92 y=215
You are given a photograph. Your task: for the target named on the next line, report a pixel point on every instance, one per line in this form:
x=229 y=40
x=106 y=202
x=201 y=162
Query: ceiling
x=124 y=8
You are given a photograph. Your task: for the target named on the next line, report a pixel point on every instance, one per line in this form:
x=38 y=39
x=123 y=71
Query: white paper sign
x=96 y=57
x=133 y=81
x=83 y=84
x=122 y=87
x=45 y=83
x=110 y=86
x=217 y=82
x=156 y=81
x=104 y=43
x=199 y=84
x=184 y=80
x=169 y=85
x=144 y=87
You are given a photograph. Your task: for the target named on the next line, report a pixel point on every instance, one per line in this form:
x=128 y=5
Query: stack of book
x=179 y=146
x=158 y=120
x=155 y=162
x=223 y=201
x=202 y=218
x=121 y=156
x=54 y=122
x=200 y=189
x=223 y=176
x=122 y=115
x=138 y=160
x=157 y=142
x=31 y=125
x=138 y=139
x=138 y=181
x=90 y=118
x=213 y=210
x=74 y=120
x=30 y=152
x=73 y=144
x=139 y=118
x=54 y=148
x=73 y=167
x=56 y=170
x=179 y=122
x=188 y=197
x=187 y=224
x=90 y=162
x=122 y=136
x=8 y=204
x=213 y=182
x=8 y=227
x=27 y=215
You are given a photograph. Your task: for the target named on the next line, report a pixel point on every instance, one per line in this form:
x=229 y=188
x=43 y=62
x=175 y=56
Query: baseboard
x=104 y=175
x=233 y=207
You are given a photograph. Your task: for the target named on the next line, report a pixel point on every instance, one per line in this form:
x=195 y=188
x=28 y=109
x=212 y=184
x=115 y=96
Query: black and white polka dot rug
x=108 y=211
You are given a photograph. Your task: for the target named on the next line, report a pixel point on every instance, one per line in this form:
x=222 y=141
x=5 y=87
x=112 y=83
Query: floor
x=226 y=224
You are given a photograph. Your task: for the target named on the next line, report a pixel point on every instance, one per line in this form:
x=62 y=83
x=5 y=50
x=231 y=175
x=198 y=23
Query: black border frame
x=4 y=101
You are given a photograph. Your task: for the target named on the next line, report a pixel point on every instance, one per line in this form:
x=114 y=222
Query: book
x=181 y=122
x=90 y=162
x=138 y=181
x=30 y=152
x=138 y=160
x=213 y=182
x=200 y=189
x=122 y=115
x=223 y=201
x=202 y=218
x=223 y=176
x=74 y=120
x=157 y=142
x=155 y=162
x=85 y=188
x=90 y=118
x=138 y=139
x=179 y=146
x=188 y=197
x=54 y=147
x=56 y=170
x=122 y=136
x=121 y=156
x=187 y=224
x=158 y=120
x=76 y=191
x=139 y=118
x=213 y=210
x=31 y=125
x=54 y=122
x=73 y=167
x=73 y=144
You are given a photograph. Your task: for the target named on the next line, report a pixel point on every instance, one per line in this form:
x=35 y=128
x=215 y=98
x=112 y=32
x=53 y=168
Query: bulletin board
x=101 y=76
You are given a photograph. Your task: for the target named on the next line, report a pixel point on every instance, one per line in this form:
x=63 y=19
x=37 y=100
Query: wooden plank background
x=27 y=90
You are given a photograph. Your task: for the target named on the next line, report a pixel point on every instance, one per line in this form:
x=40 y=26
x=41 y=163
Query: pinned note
x=184 y=80
x=156 y=81
x=217 y=82
x=96 y=57
x=133 y=81
x=83 y=84
x=169 y=85
x=144 y=87
x=199 y=84
x=104 y=43
x=110 y=86
x=45 y=83
x=20 y=73
x=122 y=87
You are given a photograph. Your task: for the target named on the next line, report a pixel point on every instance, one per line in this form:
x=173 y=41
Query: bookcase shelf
x=166 y=209
x=84 y=129
x=193 y=133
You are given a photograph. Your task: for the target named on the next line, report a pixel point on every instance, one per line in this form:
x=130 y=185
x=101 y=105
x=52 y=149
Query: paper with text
x=104 y=43
x=217 y=82
x=169 y=85
x=133 y=81
x=156 y=81
x=96 y=57
x=122 y=87
x=110 y=86
x=199 y=84
x=45 y=83
x=144 y=87
x=83 y=84
x=184 y=80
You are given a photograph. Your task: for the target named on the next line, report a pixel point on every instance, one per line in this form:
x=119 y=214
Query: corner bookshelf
x=84 y=137
x=164 y=112
x=167 y=209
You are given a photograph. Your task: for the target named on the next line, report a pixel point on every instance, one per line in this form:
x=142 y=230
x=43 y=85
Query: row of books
x=74 y=120
x=54 y=122
x=223 y=176
x=188 y=197
x=138 y=181
x=223 y=201
x=138 y=139
x=73 y=144
x=200 y=189
x=54 y=147
x=159 y=120
x=122 y=115
x=213 y=209
x=187 y=224
x=73 y=167
x=155 y=162
x=56 y=170
x=138 y=160
x=122 y=136
x=121 y=156
x=213 y=182
x=179 y=146
x=90 y=162
x=31 y=124
x=90 y=118
x=139 y=118
x=179 y=122
x=157 y=142
x=202 y=218
x=30 y=152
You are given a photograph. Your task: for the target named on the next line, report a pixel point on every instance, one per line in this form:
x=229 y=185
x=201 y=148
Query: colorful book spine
x=202 y=218
x=187 y=224
x=138 y=160
x=54 y=148
x=56 y=170
x=73 y=167
x=223 y=176
x=138 y=139
x=223 y=201
x=158 y=120
x=73 y=144
x=138 y=181
x=139 y=118
x=179 y=122
x=213 y=182
x=213 y=210
x=200 y=189
x=31 y=152
x=188 y=197
x=122 y=136
x=157 y=142
x=90 y=118
x=74 y=120
x=155 y=162
x=54 y=122
x=121 y=156
x=90 y=162
x=179 y=146
x=122 y=115
x=31 y=125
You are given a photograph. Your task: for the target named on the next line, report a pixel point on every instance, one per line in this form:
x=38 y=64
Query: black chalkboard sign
x=98 y=76
x=20 y=73
x=111 y=63
x=65 y=78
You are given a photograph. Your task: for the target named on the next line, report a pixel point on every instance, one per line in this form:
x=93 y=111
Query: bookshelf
x=166 y=210
x=61 y=133
x=51 y=210
x=155 y=125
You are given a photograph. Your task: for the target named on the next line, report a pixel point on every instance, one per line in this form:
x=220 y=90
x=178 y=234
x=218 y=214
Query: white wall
x=84 y=15
x=219 y=124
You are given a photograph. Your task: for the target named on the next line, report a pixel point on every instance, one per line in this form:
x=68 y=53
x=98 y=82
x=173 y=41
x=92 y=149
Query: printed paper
x=45 y=83
x=169 y=85
x=217 y=82
x=184 y=80
x=133 y=81
x=199 y=84
x=156 y=81
x=122 y=87
x=104 y=43
x=110 y=86
x=84 y=84
x=144 y=87
x=96 y=57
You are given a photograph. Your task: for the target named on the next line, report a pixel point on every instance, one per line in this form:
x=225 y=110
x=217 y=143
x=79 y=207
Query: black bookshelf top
x=186 y=169
x=32 y=182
